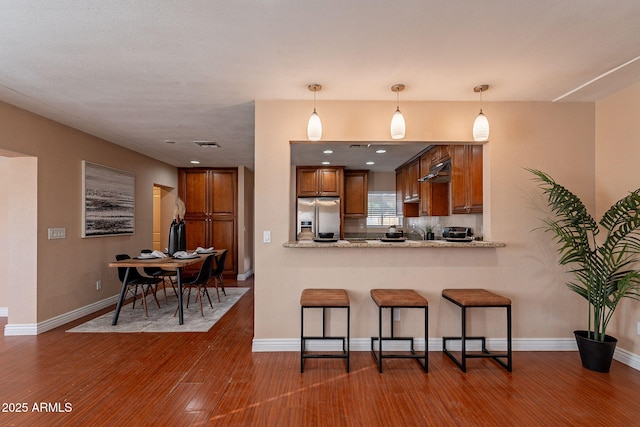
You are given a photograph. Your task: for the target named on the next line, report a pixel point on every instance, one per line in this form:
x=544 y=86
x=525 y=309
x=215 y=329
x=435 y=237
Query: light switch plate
x=266 y=236
x=57 y=233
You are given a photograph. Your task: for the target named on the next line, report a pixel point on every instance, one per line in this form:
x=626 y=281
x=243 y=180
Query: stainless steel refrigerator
x=323 y=212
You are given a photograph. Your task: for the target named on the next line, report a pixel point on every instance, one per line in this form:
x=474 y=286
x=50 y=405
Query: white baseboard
x=435 y=344
x=20 y=329
x=47 y=325
x=4 y=311
x=245 y=276
x=628 y=358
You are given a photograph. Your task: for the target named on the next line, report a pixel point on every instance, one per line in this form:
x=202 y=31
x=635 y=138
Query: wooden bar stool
x=471 y=298
x=396 y=299
x=324 y=299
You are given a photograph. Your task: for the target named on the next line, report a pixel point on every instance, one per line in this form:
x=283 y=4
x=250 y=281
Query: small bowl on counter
x=395 y=235
x=325 y=235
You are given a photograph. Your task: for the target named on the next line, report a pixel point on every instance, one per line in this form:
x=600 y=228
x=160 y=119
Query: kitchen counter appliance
x=457 y=234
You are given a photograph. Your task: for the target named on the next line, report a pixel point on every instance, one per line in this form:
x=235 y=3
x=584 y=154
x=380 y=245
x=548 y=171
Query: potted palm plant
x=605 y=268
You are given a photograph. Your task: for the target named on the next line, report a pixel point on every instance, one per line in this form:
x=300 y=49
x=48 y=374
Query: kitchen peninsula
x=405 y=244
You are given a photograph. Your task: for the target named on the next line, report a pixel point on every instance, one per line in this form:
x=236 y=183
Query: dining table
x=166 y=263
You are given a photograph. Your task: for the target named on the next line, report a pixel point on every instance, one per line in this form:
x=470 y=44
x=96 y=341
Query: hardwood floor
x=213 y=378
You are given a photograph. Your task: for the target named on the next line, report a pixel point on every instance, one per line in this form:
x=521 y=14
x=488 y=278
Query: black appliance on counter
x=457 y=234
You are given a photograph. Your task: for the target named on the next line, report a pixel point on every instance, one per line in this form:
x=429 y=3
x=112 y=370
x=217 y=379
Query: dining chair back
x=135 y=279
x=160 y=273
x=217 y=272
x=199 y=281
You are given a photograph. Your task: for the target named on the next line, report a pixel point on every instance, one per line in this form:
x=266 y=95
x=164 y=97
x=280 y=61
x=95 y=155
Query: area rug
x=161 y=319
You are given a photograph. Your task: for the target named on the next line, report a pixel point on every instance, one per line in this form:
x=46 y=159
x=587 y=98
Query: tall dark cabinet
x=211 y=200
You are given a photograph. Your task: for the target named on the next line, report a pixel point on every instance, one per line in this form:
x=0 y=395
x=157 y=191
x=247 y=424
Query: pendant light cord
x=314 y=100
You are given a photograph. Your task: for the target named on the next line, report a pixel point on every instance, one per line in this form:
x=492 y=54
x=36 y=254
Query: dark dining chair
x=135 y=279
x=162 y=274
x=198 y=281
x=217 y=272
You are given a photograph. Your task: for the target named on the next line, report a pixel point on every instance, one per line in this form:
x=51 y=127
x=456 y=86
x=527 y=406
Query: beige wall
x=67 y=270
x=618 y=172
x=557 y=138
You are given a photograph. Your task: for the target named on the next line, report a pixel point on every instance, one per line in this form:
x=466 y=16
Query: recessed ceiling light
x=195 y=162
x=371 y=163
x=328 y=151
x=326 y=163
x=381 y=151
x=168 y=141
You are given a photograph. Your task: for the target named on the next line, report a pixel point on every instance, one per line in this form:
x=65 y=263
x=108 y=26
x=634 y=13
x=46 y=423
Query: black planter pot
x=595 y=355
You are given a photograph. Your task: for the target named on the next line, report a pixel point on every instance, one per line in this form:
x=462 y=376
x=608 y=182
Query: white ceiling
x=139 y=73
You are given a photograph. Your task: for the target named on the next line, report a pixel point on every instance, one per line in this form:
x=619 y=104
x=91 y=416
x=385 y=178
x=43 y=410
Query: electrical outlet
x=396 y=315
x=98 y=285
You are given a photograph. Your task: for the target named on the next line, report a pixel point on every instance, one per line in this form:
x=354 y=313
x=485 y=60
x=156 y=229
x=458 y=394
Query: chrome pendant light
x=481 y=124
x=398 y=126
x=314 y=127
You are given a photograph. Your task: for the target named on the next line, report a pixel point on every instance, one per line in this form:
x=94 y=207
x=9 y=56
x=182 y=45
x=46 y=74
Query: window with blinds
x=382 y=209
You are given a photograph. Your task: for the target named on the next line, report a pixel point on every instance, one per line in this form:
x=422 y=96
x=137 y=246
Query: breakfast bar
x=405 y=244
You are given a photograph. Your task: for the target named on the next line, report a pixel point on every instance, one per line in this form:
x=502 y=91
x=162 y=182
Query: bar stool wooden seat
x=396 y=299
x=324 y=299
x=472 y=298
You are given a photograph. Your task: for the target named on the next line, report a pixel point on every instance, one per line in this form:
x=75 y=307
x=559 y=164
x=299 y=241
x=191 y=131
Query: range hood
x=441 y=172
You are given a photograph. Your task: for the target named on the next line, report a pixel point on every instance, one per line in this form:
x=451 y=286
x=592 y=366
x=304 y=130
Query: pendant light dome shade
x=481 y=123
x=481 y=128
x=314 y=127
x=398 y=126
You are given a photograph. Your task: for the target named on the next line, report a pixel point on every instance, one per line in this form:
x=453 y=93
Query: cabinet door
x=466 y=179
x=198 y=233
x=223 y=188
x=330 y=182
x=399 y=192
x=474 y=169
x=356 y=194
x=306 y=182
x=413 y=175
x=194 y=192
x=458 y=180
x=224 y=237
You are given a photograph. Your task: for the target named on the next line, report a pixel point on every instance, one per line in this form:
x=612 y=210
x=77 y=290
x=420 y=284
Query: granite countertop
x=381 y=244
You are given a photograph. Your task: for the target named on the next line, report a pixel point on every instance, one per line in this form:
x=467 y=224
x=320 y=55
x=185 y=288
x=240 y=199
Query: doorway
x=163 y=205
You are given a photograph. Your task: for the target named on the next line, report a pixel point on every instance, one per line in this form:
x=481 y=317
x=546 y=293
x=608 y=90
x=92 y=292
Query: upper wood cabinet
x=404 y=208
x=211 y=200
x=314 y=181
x=434 y=196
x=412 y=185
x=356 y=193
x=438 y=154
x=466 y=179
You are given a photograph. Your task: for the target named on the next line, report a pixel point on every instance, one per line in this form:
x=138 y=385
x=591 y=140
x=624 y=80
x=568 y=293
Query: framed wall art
x=108 y=200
